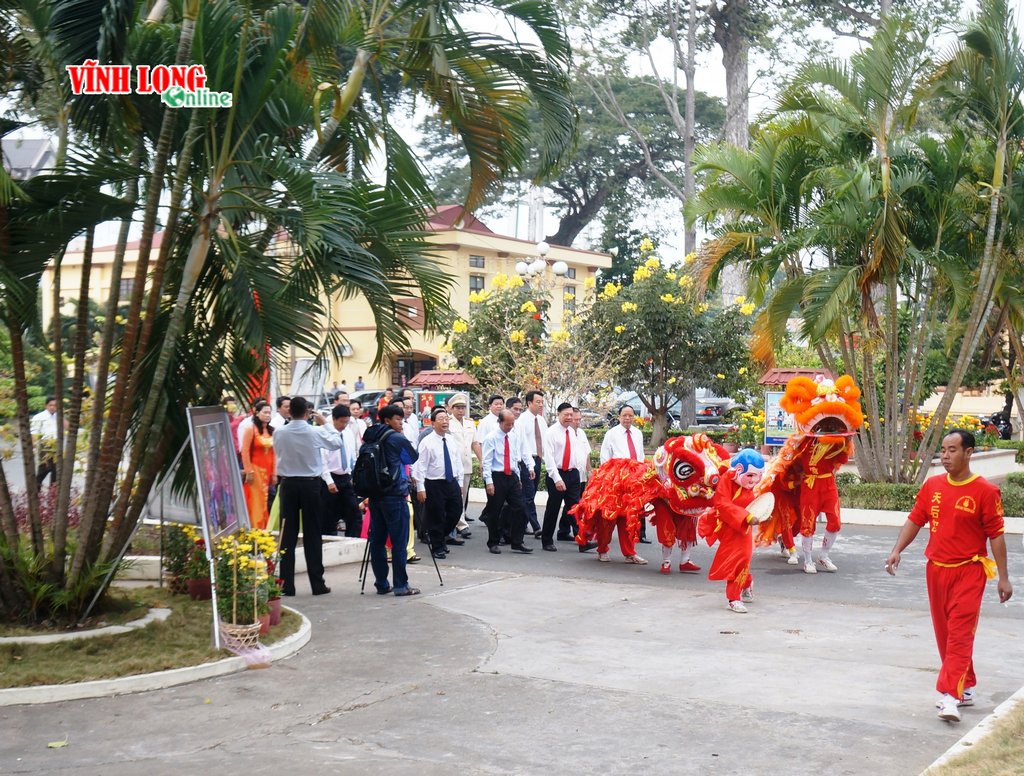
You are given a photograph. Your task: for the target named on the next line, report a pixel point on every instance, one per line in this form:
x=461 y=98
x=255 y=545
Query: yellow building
x=468 y=250
x=473 y=255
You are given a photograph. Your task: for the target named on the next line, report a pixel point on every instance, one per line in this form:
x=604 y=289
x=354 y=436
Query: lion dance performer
x=677 y=487
x=802 y=476
x=728 y=522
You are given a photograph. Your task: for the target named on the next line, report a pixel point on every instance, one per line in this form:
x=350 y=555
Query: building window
x=476 y=283
x=571 y=274
x=570 y=299
x=127 y=286
x=476 y=261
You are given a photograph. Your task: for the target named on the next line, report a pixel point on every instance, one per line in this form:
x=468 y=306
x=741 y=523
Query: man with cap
x=462 y=429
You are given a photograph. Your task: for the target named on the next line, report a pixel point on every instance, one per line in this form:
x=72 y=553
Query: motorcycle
x=1001 y=422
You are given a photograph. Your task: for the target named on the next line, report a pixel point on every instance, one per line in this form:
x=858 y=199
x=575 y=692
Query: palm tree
x=214 y=298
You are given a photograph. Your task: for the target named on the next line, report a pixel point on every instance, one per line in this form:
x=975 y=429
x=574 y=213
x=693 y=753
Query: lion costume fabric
x=802 y=476
x=676 y=488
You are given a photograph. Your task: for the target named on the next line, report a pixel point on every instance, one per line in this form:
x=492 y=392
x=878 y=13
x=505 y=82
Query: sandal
x=408 y=591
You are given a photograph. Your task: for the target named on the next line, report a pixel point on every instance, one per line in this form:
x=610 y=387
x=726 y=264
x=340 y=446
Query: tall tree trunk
x=690 y=70
x=732 y=34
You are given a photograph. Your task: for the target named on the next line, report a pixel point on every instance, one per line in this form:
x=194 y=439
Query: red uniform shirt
x=960 y=516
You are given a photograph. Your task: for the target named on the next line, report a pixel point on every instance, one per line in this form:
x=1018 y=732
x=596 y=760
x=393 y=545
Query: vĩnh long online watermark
x=179 y=86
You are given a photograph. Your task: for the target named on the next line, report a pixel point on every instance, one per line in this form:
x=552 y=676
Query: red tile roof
x=783 y=376
x=430 y=377
x=447 y=216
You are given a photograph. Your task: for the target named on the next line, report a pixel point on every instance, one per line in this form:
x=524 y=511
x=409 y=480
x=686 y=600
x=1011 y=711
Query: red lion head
x=689 y=467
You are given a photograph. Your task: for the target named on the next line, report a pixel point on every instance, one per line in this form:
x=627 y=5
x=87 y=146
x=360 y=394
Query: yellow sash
x=810 y=478
x=986 y=563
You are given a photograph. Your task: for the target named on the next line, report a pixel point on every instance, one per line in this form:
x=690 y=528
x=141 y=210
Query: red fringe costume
x=727 y=523
x=616 y=495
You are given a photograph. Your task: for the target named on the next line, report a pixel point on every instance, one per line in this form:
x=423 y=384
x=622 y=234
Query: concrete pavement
x=555 y=663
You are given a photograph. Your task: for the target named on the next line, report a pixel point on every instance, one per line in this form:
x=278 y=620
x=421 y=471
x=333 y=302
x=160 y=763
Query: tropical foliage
x=248 y=219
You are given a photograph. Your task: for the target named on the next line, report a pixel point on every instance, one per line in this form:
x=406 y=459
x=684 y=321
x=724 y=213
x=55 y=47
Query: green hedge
x=900 y=497
x=1012 y=444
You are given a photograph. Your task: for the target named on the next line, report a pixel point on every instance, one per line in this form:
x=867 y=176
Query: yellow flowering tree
x=668 y=341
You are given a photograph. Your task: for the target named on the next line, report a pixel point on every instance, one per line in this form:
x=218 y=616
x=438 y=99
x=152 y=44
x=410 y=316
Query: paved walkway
x=556 y=664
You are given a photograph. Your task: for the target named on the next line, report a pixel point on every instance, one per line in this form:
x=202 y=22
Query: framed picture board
x=218 y=478
x=779 y=425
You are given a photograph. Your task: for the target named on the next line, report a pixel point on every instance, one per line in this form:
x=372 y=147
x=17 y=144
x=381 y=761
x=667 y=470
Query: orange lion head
x=824 y=409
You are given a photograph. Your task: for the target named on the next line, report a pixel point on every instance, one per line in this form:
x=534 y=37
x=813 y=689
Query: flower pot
x=200 y=589
x=730 y=447
x=275 y=611
x=264 y=624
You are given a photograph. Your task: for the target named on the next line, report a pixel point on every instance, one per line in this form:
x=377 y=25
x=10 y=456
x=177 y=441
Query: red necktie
x=566 y=458
x=632 y=447
x=508 y=457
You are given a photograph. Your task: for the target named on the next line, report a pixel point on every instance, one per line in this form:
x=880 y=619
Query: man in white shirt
x=340 y=502
x=297 y=449
x=464 y=431
x=502 y=456
x=530 y=428
x=621 y=441
x=283 y=415
x=411 y=422
x=567 y=527
x=563 y=475
x=44 y=436
x=438 y=477
x=357 y=426
x=489 y=422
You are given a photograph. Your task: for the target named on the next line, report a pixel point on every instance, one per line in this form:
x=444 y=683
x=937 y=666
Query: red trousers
x=733 y=587
x=604 y=536
x=823 y=496
x=954 y=595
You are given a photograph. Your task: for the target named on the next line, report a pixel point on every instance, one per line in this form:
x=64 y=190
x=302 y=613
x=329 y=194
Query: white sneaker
x=826 y=564
x=783 y=551
x=636 y=559
x=794 y=559
x=967 y=700
x=809 y=568
x=747 y=595
x=948 y=708
x=739 y=608
x=603 y=557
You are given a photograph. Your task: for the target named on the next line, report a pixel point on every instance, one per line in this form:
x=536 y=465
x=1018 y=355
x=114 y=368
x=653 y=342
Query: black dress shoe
x=537 y=534
x=521 y=548
x=550 y=548
x=440 y=554
x=289 y=593
x=465 y=533
x=644 y=541
x=322 y=590
x=385 y=591
x=588 y=546
x=495 y=550
x=563 y=537
x=413 y=559
x=502 y=541
x=456 y=542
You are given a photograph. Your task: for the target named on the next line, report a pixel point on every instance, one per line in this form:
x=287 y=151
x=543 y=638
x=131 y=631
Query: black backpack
x=371 y=475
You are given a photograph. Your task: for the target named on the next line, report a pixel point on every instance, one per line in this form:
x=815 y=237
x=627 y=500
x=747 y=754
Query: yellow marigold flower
x=609 y=290
x=671 y=381
x=576 y=320
x=628 y=307
x=646 y=245
x=748 y=308
x=559 y=335
x=476 y=361
x=445 y=347
x=474 y=297
x=685 y=281
x=527 y=307
x=619 y=329
x=667 y=298
x=671 y=276
x=460 y=326
x=590 y=282
x=702 y=307
x=653 y=262
x=567 y=296
x=689 y=258
x=720 y=376
x=641 y=273
x=739 y=300
x=743 y=370
x=517 y=336
x=500 y=281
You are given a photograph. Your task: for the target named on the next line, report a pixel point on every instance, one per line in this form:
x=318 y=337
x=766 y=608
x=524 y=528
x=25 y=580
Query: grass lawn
x=1000 y=753
x=183 y=639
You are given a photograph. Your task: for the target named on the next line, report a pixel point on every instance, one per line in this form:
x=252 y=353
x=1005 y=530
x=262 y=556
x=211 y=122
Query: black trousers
x=442 y=510
x=47 y=468
x=301 y=495
x=557 y=498
x=342 y=505
x=504 y=514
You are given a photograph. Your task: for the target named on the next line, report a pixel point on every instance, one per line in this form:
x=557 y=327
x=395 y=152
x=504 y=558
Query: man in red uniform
x=728 y=521
x=961 y=510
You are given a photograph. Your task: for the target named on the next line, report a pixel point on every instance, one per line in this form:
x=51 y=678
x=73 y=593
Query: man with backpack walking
x=379 y=475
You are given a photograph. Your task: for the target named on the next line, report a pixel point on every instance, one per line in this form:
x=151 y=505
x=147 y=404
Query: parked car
x=631 y=398
x=368 y=399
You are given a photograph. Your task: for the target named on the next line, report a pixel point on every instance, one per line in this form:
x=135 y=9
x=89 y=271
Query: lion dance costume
x=802 y=476
x=677 y=488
